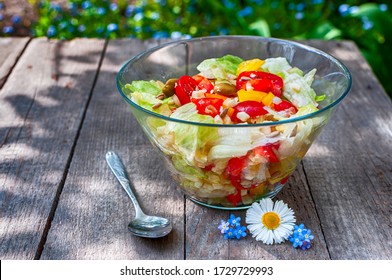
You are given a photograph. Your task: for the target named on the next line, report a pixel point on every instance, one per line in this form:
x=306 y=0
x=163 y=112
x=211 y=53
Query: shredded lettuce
x=297 y=86
x=236 y=142
x=298 y=91
x=148 y=87
x=144 y=94
x=309 y=77
x=315 y=121
x=223 y=68
x=296 y=134
x=186 y=169
x=276 y=65
x=191 y=141
x=320 y=98
x=307 y=109
x=296 y=70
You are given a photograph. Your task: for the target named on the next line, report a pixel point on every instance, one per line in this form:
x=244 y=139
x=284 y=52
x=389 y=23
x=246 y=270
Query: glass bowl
x=197 y=154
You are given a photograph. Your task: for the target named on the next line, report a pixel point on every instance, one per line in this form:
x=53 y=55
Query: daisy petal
x=266 y=205
x=263 y=232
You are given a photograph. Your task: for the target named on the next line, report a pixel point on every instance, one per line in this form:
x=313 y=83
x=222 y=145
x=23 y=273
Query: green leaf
x=261 y=28
x=324 y=31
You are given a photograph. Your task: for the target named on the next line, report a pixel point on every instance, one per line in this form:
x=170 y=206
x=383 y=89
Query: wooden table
x=60 y=112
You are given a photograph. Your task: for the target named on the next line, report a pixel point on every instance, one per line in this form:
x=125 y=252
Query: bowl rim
x=266 y=123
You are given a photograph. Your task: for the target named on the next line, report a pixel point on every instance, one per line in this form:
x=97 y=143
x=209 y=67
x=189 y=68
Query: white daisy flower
x=270 y=222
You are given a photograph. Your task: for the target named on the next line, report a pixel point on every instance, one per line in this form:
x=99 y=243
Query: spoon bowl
x=143 y=225
x=150 y=226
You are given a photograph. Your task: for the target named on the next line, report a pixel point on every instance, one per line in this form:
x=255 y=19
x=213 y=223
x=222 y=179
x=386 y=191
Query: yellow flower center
x=270 y=220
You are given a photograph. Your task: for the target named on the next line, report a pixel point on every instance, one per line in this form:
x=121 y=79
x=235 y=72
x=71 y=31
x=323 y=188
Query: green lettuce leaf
x=236 y=142
x=298 y=91
x=307 y=109
x=309 y=77
x=223 y=68
x=191 y=141
x=276 y=65
x=144 y=94
x=187 y=171
x=297 y=134
x=148 y=87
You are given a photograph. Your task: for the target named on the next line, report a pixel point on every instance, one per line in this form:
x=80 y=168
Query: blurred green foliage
x=367 y=23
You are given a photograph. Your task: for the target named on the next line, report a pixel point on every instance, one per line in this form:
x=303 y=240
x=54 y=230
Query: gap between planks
x=69 y=160
x=4 y=79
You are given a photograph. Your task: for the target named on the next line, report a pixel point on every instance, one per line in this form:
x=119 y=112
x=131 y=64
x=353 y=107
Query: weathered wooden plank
x=42 y=105
x=11 y=49
x=93 y=213
x=91 y=218
x=349 y=168
x=296 y=194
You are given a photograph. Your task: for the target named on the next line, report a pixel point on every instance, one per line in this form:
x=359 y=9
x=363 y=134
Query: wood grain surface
x=11 y=49
x=60 y=112
x=42 y=105
x=350 y=159
x=106 y=210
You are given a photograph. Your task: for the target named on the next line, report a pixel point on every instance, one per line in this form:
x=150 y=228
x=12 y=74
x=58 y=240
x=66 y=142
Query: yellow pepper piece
x=259 y=190
x=250 y=65
x=267 y=100
x=246 y=95
x=230 y=111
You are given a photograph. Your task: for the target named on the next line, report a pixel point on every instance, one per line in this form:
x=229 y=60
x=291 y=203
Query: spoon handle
x=118 y=170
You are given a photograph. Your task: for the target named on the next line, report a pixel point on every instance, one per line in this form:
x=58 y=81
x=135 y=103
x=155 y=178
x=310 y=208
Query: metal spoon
x=143 y=225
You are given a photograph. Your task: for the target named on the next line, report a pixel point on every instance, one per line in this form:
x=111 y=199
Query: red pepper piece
x=234 y=198
x=236 y=165
x=284 y=180
x=267 y=152
x=252 y=108
x=184 y=88
x=284 y=105
x=234 y=170
x=203 y=83
x=209 y=167
x=208 y=106
x=260 y=81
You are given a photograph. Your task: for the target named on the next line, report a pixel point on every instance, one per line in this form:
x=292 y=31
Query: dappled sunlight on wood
x=59 y=199
x=320 y=151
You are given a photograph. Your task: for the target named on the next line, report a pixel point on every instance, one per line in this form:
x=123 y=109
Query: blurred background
x=368 y=23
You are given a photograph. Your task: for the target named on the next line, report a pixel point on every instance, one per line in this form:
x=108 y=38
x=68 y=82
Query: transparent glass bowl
x=189 y=152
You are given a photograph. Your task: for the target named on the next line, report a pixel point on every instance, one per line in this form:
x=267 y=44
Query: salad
x=232 y=164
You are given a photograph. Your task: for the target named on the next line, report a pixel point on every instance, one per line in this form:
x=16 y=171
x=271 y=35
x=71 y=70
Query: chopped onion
x=243 y=116
x=276 y=100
